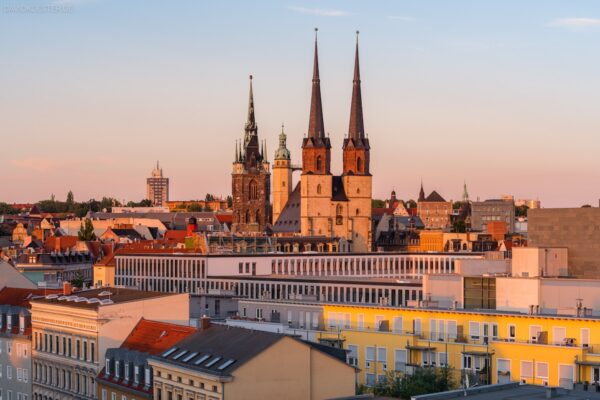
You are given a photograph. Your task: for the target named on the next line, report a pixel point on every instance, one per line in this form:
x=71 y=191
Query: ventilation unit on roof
x=104 y=293
x=80 y=299
x=106 y=302
x=93 y=300
x=52 y=297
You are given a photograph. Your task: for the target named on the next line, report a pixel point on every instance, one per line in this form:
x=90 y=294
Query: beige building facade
x=71 y=333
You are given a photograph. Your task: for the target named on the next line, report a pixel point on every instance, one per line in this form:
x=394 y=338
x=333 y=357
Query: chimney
x=204 y=322
x=67 y=290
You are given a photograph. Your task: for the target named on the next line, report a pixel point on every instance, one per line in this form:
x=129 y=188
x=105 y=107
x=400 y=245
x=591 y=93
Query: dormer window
x=136 y=375
x=107 y=367
x=126 y=372
x=117 y=375
x=9 y=321
x=21 y=323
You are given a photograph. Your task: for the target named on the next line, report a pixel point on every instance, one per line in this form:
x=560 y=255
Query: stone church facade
x=251 y=179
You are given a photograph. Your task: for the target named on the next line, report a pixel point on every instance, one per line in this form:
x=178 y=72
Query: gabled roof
x=155 y=337
x=62 y=242
x=175 y=235
x=220 y=343
x=434 y=197
x=289 y=219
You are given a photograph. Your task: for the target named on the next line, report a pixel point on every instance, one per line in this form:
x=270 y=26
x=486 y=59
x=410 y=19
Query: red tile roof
x=380 y=211
x=225 y=218
x=155 y=337
x=175 y=235
x=63 y=242
x=20 y=297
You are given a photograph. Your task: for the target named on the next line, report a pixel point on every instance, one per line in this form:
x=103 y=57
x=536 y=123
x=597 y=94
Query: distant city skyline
x=503 y=96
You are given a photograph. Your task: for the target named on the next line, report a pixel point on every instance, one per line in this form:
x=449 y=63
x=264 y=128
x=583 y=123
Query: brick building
x=251 y=185
x=434 y=210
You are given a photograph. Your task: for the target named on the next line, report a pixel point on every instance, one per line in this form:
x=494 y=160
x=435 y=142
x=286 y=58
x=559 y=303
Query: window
x=585 y=337
x=359 y=165
x=526 y=369
x=370 y=380
x=541 y=370
x=467 y=362
x=512 y=333
x=361 y=321
x=417 y=326
x=559 y=334
x=474 y=330
x=253 y=190
x=382 y=357
x=397 y=321
x=104 y=395
x=259 y=313
x=319 y=189
x=113 y=396
x=8 y=372
x=319 y=163
x=442 y=359
x=353 y=355
x=400 y=359
x=25 y=375
x=369 y=356
x=19 y=374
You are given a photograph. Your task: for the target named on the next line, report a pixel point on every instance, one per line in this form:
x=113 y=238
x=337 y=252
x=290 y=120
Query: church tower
x=251 y=187
x=316 y=179
x=356 y=169
x=282 y=176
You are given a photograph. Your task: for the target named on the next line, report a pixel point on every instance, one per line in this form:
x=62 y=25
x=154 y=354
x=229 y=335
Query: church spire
x=251 y=128
x=316 y=127
x=356 y=130
x=421 y=192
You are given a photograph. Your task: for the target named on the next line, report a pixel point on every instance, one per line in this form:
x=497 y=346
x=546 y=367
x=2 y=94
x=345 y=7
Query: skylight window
x=189 y=357
x=212 y=362
x=169 y=352
x=225 y=364
x=178 y=355
x=201 y=359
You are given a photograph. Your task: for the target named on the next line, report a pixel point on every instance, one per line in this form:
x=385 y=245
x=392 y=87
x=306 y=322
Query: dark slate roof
x=289 y=219
x=335 y=352
x=128 y=233
x=56 y=258
x=6 y=241
x=434 y=197
x=337 y=189
x=210 y=350
x=406 y=221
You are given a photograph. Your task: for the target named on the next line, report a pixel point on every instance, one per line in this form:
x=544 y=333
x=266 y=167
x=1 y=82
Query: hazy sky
x=501 y=94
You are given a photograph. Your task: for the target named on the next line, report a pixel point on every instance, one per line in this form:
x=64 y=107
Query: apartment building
x=71 y=333
x=126 y=374
x=15 y=342
x=221 y=362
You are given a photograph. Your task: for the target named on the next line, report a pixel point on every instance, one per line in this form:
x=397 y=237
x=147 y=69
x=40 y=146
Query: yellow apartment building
x=488 y=346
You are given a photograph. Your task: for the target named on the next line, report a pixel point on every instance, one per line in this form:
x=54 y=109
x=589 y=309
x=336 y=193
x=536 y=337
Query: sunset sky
x=504 y=96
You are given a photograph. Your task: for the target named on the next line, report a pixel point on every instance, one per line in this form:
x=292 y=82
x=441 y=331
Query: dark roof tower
x=251 y=152
x=421 y=192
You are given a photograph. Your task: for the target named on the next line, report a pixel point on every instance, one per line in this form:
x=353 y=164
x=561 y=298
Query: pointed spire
x=421 y=192
x=465 y=193
x=316 y=128
x=265 y=152
x=356 y=130
x=240 y=151
x=251 y=120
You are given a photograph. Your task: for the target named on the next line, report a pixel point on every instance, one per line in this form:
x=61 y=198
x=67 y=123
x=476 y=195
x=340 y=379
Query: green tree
x=456 y=205
x=7 y=209
x=78 y=280
x=86 y=231
x=459 y=227
x=377 y=203
x=209 y=197
x=410 y=204
x=586 y=206
x=521 y=211
x=229 y=201
x=194 y=207
x=207 y=208
x=421 y=381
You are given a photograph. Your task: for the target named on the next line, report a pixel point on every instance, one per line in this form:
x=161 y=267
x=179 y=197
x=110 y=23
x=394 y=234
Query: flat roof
x=95 y=298
x=514 y=391
x=323 y=279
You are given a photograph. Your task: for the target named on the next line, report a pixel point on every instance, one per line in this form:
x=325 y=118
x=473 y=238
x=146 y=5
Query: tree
x=456 y=205
x=229 y=201
x=410 y=204
x=421 y=381
x=146 y=203
x=586 y=206
x=70 y=198
x=207 y=208
x=459 y=226
x=86 y=231
x=78 y=280
x=209 y=197
x=521 y=211
x=377 y=203
x=194 y=207
x=7 y=209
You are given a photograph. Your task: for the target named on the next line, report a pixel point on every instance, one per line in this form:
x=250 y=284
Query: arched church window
x=253 y=190
x=247 y=216
x=319 y=189
x=357 y=211
x=257 y=220
x=359 y=164
x=339 y=218
x=319 y=162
